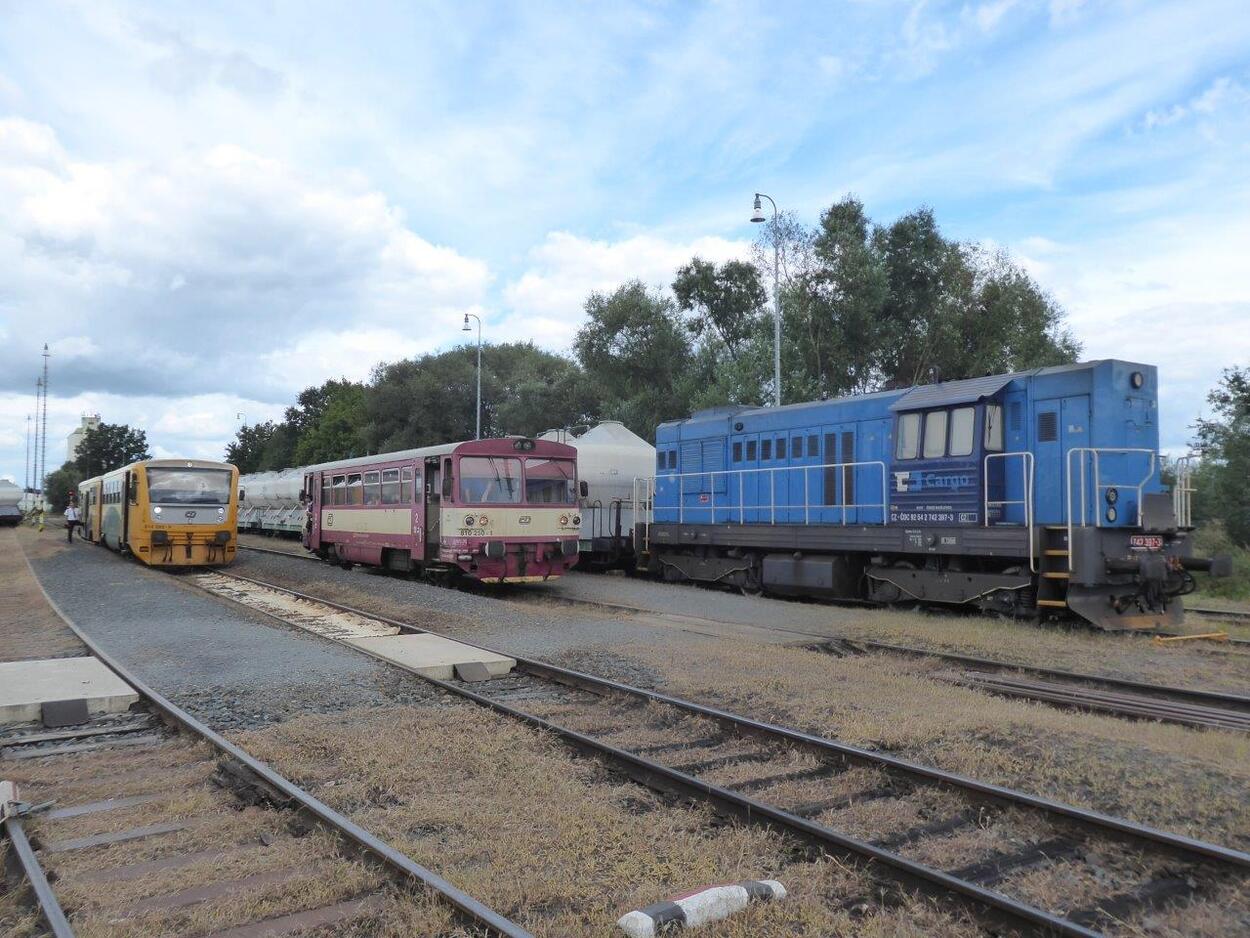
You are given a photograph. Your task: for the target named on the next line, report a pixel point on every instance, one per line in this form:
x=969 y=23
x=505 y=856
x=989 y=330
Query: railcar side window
x=908 y=446
x=738 y=452
x=994 y=428
x=390 y=487
x=373 y=490
x=325 y=491
x=963 y=421
x=766 y=450
x=934 y=434
x=340 y=490
x=354 y=491
x=405 y=485
x=750 y=451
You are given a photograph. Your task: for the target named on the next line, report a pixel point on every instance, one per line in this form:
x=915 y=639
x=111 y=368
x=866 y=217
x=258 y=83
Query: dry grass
x=29 y=628
x=512 y=818
x=1197 y=782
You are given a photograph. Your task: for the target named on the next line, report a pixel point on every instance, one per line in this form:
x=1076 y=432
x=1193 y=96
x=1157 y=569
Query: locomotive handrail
x=771 y=505
x=1096 y=451
x=1027 y=470
x=1183 y=491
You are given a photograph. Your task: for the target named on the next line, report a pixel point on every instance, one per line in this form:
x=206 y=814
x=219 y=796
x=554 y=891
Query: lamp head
x=758 y=214
x=465 y=327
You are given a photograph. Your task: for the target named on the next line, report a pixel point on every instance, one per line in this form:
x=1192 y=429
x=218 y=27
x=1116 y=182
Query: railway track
x=154 y=822
x=1039 y=865
x=1093 y=693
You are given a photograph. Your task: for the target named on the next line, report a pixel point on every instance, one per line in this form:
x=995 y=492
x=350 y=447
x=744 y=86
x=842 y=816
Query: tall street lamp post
x=758 y=216
x=478 y=434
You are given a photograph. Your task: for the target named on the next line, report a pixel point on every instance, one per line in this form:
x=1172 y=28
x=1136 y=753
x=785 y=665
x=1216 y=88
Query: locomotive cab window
x=963 y=423
x=994 y=428
x=934 y=434
x=908 y=446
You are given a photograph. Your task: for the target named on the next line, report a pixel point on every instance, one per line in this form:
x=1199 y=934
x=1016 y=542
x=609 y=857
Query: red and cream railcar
x=498 y=511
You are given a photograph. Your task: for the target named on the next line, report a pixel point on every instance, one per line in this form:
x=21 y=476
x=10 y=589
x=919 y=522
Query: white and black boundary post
x=707 y=904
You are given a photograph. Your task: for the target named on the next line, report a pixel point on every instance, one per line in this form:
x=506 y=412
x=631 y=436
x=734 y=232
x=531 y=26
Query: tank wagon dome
x=10 y=494
x=609 y=457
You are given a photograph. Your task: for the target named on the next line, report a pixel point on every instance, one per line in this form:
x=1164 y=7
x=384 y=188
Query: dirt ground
x=29 y=628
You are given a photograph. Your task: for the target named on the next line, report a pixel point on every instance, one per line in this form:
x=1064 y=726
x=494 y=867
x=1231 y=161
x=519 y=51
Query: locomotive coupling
x=1155 y=566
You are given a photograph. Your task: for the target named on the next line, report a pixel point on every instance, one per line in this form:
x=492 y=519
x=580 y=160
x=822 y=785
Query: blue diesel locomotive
x=1031 y=494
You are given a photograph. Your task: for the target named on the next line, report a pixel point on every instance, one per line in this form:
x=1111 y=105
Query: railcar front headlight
x=1112 y=514
x=577 y=519
x=1113 y=495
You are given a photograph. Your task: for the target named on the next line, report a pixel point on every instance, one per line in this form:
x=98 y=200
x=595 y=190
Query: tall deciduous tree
x=109 y=446
x=638 y=357
x=60 y=485
x=247 y=449
x=1224 y=441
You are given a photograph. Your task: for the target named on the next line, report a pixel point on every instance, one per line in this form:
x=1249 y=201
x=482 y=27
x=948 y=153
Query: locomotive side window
x=405 y=485
x=355 y=494
x=738 y=452
x=766 y=449
x=390 y=487
x=750 y=451
x=781 y=447
x=908 y=446
x=994 y=428
x=373 y=489
x=672 y=459
x=660 y=460
x=934 y=434
x=963 y=422
x=813 y=445
x=796 y=450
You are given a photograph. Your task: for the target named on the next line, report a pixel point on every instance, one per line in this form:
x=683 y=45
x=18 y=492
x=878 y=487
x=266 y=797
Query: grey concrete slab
x=25 y=686
x=432 y=655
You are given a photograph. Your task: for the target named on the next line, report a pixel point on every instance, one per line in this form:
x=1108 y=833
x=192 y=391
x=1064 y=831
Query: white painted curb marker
x=709 y=904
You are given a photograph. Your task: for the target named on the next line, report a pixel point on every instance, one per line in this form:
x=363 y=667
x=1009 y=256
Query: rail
x=1091 y=456
x=1027 y=470
x=771 y=506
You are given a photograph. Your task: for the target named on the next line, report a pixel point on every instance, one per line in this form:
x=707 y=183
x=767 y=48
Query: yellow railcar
x=166 y=512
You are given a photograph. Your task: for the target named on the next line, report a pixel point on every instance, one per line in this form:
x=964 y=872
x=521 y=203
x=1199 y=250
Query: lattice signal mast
x=43 y=429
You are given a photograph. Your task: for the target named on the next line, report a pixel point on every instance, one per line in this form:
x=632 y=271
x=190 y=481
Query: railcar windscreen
x=550 y=482
x=188 y=486
x=490 y=480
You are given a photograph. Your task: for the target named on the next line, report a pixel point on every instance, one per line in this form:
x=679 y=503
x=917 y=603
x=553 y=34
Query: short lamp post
x=758 y=216
x=478 y=433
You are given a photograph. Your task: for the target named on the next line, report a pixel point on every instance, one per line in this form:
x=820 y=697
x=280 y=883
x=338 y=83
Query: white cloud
x=545 y=303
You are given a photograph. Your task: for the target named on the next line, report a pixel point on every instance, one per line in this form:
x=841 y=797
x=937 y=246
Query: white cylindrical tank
x=10 y=494
x=272 y=489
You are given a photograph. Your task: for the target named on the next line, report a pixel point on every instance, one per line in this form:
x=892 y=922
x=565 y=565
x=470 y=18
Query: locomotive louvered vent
x=1017 y=417
x=1047 y=427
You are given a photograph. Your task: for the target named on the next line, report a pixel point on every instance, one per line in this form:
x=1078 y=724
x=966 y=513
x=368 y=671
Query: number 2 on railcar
x=496 y=511
x=1033 y=494
x=166 y=512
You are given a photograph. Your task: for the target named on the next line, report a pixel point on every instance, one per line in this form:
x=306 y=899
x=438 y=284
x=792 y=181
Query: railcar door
x=433 y=506
x=317 y=490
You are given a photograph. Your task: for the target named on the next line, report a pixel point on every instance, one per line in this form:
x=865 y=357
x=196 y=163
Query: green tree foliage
x=725 y=300
x=333 y=426
x=1224 y=441
x=638 y=356
x=109 y=446
x=247 y=449
x=60 y=485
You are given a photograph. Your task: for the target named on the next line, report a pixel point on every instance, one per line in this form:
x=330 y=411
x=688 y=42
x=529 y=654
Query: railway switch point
x=432 y=655
x=25 y=686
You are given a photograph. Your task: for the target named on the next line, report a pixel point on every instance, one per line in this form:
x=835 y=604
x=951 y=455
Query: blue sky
x=205 y=208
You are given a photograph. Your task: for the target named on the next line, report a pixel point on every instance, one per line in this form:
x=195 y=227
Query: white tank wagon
x=10 y=494
x=269 y=501
x=609 y=458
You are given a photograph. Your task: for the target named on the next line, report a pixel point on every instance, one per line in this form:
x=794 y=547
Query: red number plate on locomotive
x=1146 y=542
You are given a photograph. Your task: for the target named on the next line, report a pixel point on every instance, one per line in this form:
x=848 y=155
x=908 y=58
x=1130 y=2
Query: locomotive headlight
x=1113 y=495
x=1112 y=514
x=1137 y=379
x=156 y=510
